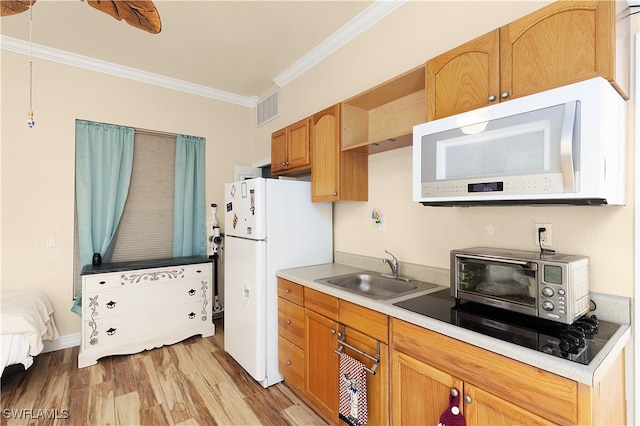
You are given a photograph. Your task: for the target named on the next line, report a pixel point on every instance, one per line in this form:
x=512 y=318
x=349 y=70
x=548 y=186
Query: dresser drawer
x=127 y=300
x=141 y=326
x=291 y=322
x=98 y=282
x=291 y=291
x=291 y=363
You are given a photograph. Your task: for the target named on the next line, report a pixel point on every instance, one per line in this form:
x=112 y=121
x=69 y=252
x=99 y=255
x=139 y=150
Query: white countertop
x=587 y=374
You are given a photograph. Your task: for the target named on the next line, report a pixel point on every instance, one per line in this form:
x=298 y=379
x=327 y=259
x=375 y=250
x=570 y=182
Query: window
x=146 y=226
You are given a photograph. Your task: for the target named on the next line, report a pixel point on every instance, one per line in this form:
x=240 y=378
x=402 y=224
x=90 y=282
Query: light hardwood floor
x=194 y=382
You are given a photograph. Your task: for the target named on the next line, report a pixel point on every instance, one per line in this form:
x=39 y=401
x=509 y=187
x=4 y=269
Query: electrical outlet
x=543 y=237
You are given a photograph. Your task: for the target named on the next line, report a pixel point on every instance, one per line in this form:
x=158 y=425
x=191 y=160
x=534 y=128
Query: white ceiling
x=240 y=47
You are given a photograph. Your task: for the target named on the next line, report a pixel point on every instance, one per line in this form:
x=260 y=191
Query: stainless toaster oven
x=550 y=286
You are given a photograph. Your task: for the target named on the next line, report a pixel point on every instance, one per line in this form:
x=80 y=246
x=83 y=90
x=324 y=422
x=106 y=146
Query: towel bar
x=343 y=344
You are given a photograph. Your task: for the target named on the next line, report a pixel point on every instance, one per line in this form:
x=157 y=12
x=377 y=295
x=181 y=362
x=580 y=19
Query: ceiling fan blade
x=140 y=14
x=13 y=7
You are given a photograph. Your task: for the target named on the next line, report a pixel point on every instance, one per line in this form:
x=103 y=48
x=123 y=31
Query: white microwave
x=561 y=146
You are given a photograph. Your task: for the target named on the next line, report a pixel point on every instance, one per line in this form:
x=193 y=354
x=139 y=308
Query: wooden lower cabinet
x=495 y=390
x=425 y=366
x=321 y=366
x=325 y=320
x=421 y=393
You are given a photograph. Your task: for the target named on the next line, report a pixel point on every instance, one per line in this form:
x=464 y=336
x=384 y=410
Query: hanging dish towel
x=353 y=391
x=452 y=416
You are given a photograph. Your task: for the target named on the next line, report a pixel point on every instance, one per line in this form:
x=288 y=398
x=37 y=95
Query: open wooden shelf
x=382 y=118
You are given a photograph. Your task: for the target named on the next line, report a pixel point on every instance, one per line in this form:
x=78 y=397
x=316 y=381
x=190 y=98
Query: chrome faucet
x=393 y=264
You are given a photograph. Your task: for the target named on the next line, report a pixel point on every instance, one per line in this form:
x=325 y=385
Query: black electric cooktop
x=579 y=342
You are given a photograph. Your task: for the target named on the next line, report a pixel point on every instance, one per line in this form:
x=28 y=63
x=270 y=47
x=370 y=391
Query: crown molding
x=372 y=14
x=48 y=53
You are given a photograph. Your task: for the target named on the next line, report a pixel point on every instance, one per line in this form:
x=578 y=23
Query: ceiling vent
x=268 y=108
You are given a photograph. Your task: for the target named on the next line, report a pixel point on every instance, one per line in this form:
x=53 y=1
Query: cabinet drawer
x=291 y=322
x=370 y=322
x=291 y=363
x=321 y=303
x=127 y=300
x=98 y=282
x=142 y=326
x=290 y=291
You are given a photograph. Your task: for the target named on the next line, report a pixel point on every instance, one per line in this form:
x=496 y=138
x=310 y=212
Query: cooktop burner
x=578 y=342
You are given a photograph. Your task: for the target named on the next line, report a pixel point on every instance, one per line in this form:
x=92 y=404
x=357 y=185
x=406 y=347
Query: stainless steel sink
x=374 y=285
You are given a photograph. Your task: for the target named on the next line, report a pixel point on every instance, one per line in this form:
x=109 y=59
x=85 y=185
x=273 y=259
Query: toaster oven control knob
x=547 y=305
x=547 y=291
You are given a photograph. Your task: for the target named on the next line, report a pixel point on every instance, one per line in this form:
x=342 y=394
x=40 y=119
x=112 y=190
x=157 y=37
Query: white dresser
x=132 y=306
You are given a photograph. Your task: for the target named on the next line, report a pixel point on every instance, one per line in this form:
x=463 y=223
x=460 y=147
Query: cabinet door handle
x=192 y=292
x=333 y=331
x=504 y=95
x=111 y=331
x=454 y=392
x=192 y=315
x=111 y=305
x=467 y=399
x=287 y=290
x=288 y=322
x=335 y=193
x=491 y=97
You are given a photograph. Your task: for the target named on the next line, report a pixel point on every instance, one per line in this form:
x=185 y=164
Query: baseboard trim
x=64 y=342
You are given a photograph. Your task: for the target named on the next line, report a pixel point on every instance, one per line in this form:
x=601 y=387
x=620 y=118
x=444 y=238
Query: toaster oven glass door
x=511 y=283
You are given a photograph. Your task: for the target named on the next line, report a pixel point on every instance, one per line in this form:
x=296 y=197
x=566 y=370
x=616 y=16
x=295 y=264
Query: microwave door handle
x=566 y=147
x=525 y=265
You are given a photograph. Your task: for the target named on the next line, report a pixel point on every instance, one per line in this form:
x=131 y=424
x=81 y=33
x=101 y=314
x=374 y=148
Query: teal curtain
x=104 y=160
x=189 y=214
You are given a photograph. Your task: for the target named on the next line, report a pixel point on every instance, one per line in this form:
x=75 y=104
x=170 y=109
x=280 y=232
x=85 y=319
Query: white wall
x=37 y=164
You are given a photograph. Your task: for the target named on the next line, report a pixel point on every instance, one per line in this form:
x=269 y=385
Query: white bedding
x=26 y=320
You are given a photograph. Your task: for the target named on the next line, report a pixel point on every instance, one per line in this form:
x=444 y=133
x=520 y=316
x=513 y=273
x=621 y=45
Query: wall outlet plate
x=543 y=238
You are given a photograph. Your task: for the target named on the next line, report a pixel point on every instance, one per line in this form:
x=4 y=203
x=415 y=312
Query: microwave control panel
x=509 y=185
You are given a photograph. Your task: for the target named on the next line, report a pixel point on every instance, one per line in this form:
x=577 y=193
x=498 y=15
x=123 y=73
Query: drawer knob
x=192 y=292
x=198 y=271
x=288 y=322
x=288 y=362
x=102 y=282
x=111 y=305
x=192 y=315
x=111 y=331
x=287 y=290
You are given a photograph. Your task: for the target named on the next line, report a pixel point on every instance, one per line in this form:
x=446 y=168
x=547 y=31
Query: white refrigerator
x=270 y=224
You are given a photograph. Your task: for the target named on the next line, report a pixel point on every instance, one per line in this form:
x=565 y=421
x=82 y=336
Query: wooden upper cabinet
x=279 y=151
x=335 y=175
x=562 y=43
x=464 y=78
x=290 y=151
x=566 y=42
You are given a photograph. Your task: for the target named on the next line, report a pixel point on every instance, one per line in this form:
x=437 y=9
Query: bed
x=26 y=321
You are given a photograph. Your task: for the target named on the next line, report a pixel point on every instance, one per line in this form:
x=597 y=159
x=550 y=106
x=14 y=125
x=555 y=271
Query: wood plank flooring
x=194 y=382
